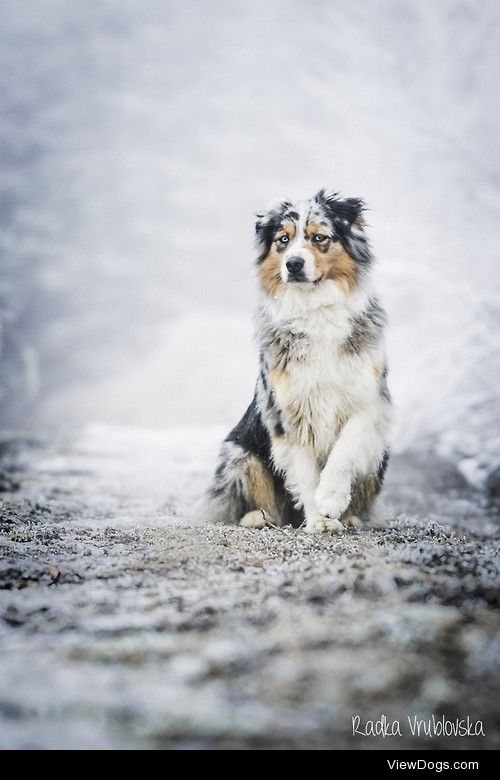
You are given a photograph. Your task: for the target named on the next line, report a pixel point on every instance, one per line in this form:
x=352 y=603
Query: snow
x=139 y=140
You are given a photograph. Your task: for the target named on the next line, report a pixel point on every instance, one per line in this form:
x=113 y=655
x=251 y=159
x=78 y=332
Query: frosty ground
x=125 y=623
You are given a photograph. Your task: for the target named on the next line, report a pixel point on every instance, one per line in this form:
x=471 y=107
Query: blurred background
x=138 y=139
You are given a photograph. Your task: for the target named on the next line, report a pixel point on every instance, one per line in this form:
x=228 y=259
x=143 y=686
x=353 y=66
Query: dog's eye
x=319 y=238
x=283 y=240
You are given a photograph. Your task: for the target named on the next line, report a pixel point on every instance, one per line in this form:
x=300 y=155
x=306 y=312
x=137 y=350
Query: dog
x=312 y=447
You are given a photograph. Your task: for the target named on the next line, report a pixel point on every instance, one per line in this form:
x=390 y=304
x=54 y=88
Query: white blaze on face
x=298 y=248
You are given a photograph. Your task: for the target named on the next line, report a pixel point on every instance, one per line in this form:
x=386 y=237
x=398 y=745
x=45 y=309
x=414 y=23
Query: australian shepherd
x=312 y=447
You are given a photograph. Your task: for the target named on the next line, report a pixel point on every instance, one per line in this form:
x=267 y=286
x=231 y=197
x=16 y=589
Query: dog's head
x=306 y=243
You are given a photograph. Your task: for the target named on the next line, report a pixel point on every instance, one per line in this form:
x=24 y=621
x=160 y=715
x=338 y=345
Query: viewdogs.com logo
x=433 y=766
x=417 y=727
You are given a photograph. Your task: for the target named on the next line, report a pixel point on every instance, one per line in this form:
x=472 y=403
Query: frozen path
x=123 y=623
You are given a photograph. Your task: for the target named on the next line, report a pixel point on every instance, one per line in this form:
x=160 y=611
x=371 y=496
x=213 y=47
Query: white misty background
x=137 y=140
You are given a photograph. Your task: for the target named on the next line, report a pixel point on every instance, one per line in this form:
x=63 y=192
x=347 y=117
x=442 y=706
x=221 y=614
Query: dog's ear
x=344 y=212
x=268 y=222
x=347 y=218
x=352 y=210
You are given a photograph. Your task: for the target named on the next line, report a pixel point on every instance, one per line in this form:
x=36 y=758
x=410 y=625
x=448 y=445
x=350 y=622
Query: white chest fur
x=317 y=393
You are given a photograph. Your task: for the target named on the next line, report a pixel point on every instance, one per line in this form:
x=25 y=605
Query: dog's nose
x=295 y=264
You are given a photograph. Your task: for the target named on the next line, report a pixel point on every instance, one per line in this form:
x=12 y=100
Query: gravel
x=125 y=622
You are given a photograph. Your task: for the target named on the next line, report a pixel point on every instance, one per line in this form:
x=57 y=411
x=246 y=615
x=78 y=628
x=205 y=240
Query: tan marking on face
x=261 y=487
x=377 y=370
x=270 y=273
x=331 y=259
x=333 y=262
x=317 y=228
x=270 y=268
x=287 y=229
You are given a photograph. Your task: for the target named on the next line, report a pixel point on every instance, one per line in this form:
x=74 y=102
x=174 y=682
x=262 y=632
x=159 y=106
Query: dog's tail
x=241 y=483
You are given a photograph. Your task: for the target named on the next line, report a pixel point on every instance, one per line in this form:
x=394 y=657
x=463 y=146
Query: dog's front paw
x=333 y=503
x=320 y=525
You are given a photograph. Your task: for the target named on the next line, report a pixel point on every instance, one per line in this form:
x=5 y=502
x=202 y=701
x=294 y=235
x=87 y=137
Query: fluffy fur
x=312 y=446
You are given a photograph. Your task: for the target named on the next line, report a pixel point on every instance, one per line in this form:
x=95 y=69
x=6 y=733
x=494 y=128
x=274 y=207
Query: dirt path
x=123 y=623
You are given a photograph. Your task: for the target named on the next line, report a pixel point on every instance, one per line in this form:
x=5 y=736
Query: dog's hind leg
x=242 y=489
x=257 y=518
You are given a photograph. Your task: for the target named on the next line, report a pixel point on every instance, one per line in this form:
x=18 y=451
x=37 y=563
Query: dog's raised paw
x=254 y=519
x=322 y=525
